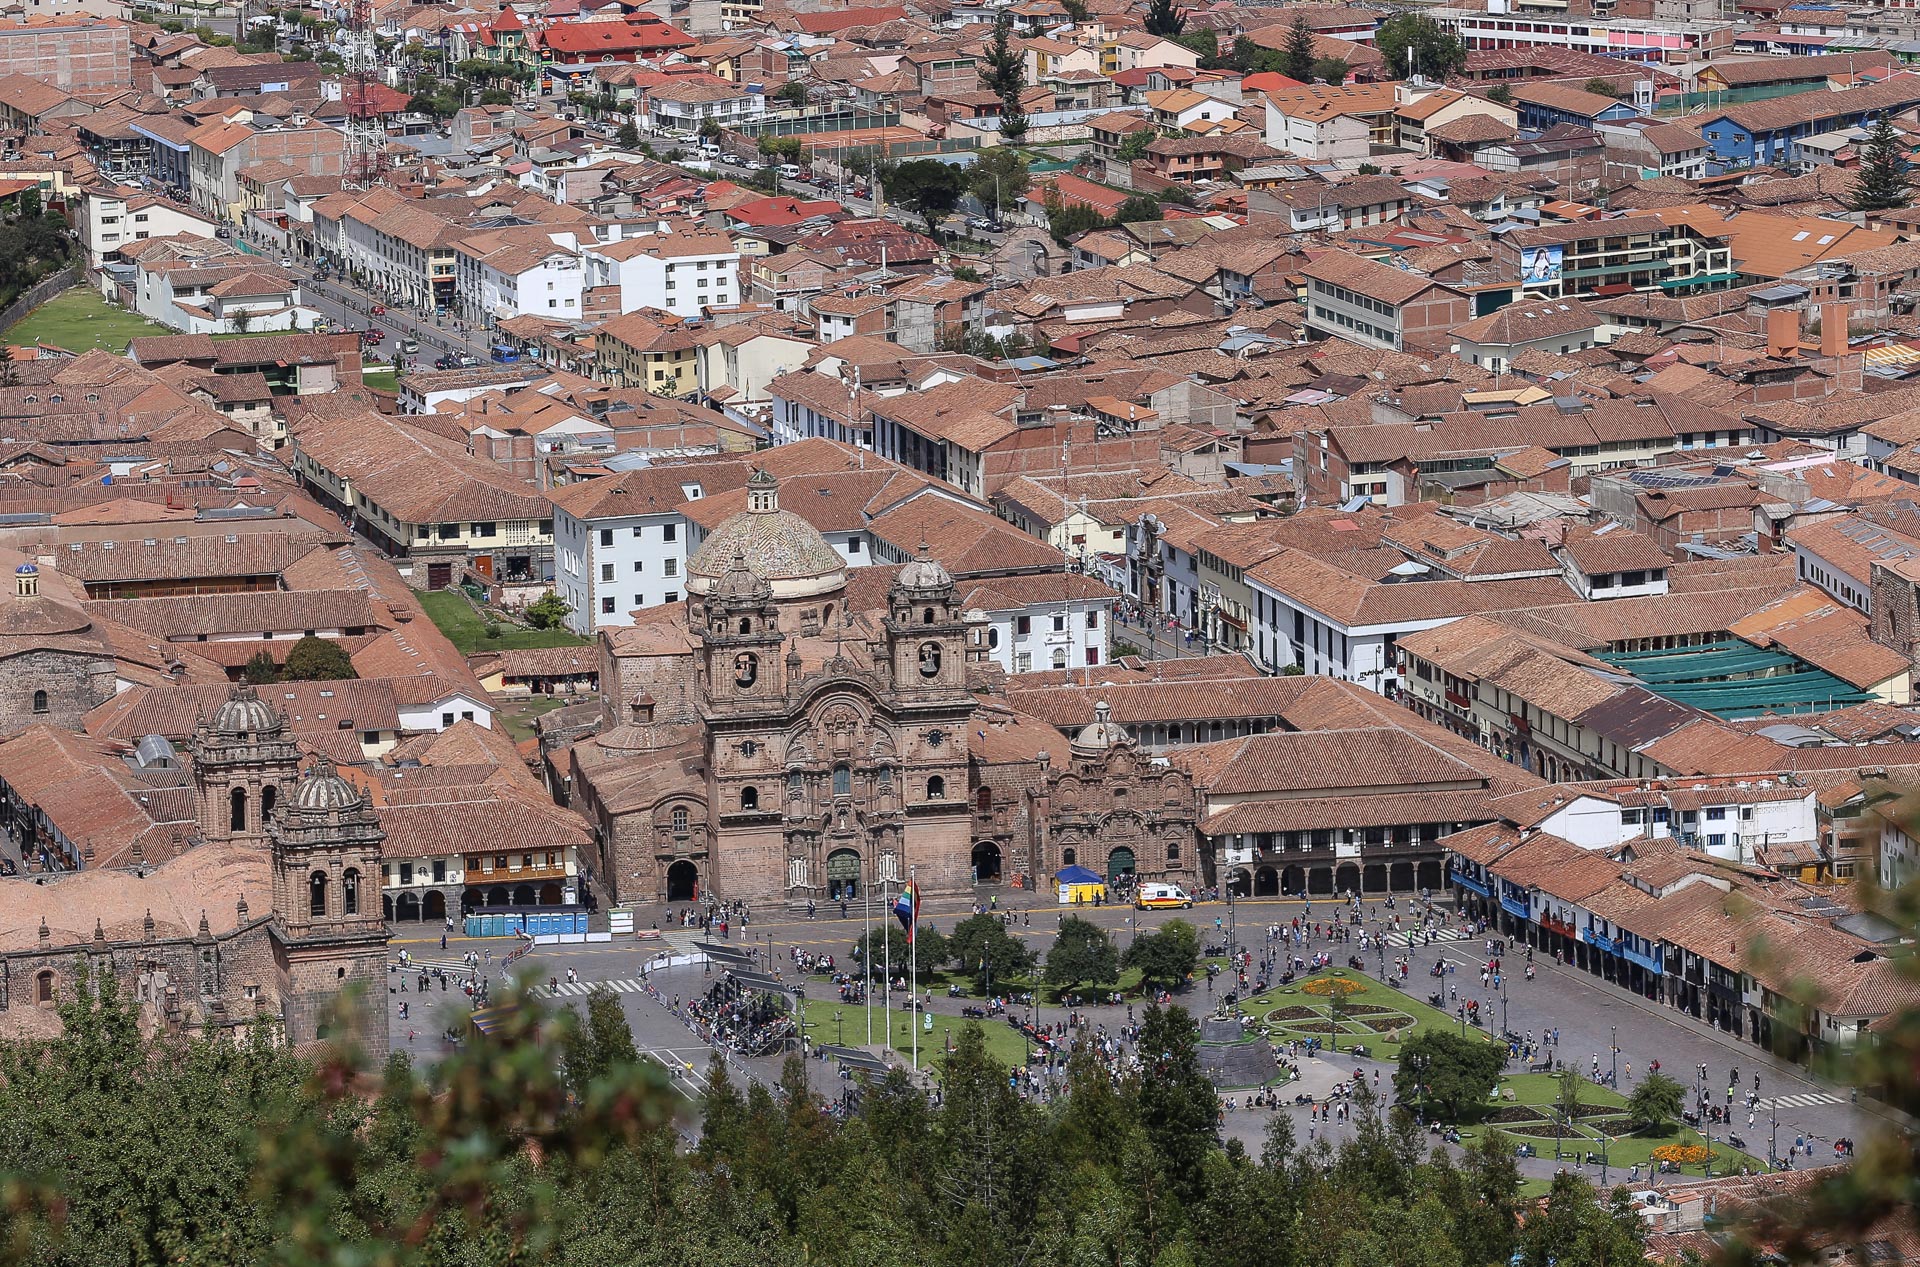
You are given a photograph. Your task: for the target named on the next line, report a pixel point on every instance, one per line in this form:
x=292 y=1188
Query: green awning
x=1711 y=279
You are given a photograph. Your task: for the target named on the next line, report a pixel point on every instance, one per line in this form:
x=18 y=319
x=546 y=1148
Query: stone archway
x=406 y=908
x=497 y=895
x=986 y=863
x=1320 y=881
x=1266 y=882
x=1239 y=883
x=1400 y=877
x=386 y=908
x=683 y=882
x=1120 y=862
x=523 y=895
x=1373 y=877
x=434 y=906
x=1292 y=880
x=1430 y=875
x=550 y=893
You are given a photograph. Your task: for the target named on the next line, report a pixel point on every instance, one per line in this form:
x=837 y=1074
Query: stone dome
x=786 y=551
x=322 y=788
x=1103 y=733
x=740 y=583
x=924 y=572
x=244 y=713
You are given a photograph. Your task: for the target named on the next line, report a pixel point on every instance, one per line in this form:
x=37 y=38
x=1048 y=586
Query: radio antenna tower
x=366 y=134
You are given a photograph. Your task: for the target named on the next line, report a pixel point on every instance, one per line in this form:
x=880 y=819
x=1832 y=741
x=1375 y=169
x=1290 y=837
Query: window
x=237 y=809
x=671 y=567
x=606 y=606
x=406 y=873
x=639 y=567
x=483 y=530
x=842 y=780
x=606 y=536
x=669 y=532
x=439 y=871
x=853 y=546
x=796 y=785
x=317 y=893
x=606 y=571
x=350 y=892
x=1093 y=620
x=43 y=988
x=749 y=798
x=680 y=820
x=39 y=701
x=672 y=596
x=1059 y=623
x=936 y=788
x=1023 y=625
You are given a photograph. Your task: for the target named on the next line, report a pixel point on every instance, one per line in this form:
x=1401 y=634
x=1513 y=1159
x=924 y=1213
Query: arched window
x=269 y=798
x=680 y=820
x=1067 y=857
x=350 y=893
x=926 y=617
x=796 y=785
x=983 y=799
x=1173 y=853
x=43 y=987
x=749 y=798
x=39 y=701
x=317 y=893
x=936 y=788
x=237 y=809
x=842 y=780
x=746 y=625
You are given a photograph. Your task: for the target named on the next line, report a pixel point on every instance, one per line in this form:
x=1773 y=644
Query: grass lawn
x=462 y=626
x=80 y=321
x=1623 y=1150
x=518 y=715
x=1391 y=1008
x=1004 y=1043
x=381 y=380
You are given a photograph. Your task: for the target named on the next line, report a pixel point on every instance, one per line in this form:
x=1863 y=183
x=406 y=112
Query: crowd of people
x=743 y=1020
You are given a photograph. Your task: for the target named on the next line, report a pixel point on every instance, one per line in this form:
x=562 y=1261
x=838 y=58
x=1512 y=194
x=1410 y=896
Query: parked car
x=379 y=310
x=409 y=346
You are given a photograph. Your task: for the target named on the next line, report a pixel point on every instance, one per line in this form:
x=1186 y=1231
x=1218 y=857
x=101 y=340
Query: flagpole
x=886 y=963
x=913 y=961
x=866 y=948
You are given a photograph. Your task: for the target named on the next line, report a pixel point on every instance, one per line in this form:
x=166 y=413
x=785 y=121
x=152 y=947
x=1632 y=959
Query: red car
x=379 y=310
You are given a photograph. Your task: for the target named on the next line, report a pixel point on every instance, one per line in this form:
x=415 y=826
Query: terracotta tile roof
x=1368 y=277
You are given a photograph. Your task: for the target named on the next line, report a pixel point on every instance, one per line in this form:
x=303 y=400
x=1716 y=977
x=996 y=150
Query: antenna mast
x=366 y=134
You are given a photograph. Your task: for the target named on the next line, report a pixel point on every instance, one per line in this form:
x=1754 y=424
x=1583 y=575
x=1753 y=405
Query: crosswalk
x=575 y=989
x=1805 y=1100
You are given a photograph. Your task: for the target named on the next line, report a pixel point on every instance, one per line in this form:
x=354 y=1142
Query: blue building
x=1761 y=133
x=1542 y=105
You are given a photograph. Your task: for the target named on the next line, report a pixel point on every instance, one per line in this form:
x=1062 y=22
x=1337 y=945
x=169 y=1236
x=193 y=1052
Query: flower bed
x=1515 y=1113
x=1283 y=1015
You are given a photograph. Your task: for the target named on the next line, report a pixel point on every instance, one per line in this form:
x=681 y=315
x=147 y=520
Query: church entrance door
x=1119 y=863
x=683 y=882
x=843 y=875
x=986 y=863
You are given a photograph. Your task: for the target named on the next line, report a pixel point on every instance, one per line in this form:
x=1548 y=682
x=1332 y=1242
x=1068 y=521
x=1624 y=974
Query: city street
x=1587 y=1012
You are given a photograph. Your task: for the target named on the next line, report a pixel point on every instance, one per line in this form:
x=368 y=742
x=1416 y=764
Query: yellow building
x=638 y=350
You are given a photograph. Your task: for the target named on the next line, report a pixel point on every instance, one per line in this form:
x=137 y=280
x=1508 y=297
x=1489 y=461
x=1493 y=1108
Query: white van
x=790 y=170
x=1158 y=896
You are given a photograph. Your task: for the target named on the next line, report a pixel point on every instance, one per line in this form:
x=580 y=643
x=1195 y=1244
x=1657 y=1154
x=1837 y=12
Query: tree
x=1082 y=953
x=793 y=92
x=1332 y=70
x=1134 y=144
x=887 y=945
x=986 y=951
x=260 y=669
x=929 y=187
x=1204 y=43
x=1655 y=1105
x=1601 y=87
x=1178 y=1106
x=1165 y=957
x=1576 y=1228
x=1076 y=9
x=1297 y=58
x=9 y=368
x=241 y=319
x=1164 y=19
x=603 y=1045
x=1138 y=207
x=1446 y=1075
x=1415 y=44
x=629 y=134
x=1004 y=74
x=1068 y=222
x=785 y=149
x=1175 y=195
x=314 y=659
x=1882 y=182
x=710 y=130
x=549 y=611
x=1501 y=94
x=998 y=177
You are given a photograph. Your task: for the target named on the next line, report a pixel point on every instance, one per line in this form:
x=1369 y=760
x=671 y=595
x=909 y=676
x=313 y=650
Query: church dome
x=1103 y=733
x=33 y=613
x=924 y=572
x=783 y=549
x=244 y=713
x=322 y=788
x=740 y=583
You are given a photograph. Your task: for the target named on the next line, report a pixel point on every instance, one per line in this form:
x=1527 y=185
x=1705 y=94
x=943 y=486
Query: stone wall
x=74 y=684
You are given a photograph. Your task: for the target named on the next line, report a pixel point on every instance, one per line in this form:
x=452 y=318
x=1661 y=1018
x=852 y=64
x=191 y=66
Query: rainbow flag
x=907 y=908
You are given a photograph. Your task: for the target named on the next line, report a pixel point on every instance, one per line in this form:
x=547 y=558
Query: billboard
x=1540 y=265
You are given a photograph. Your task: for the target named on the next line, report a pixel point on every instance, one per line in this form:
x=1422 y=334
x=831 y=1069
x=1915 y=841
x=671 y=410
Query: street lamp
x=839 y=1034
x=1615 y=1055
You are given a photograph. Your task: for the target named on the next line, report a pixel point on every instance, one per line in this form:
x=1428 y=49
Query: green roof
x=1735 y=679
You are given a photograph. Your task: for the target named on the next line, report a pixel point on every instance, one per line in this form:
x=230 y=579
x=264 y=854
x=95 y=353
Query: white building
x=683 y=273
x=107 y=219
x=537 y=274
x=621 y=543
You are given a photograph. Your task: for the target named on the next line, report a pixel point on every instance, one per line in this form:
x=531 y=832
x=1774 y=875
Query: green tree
x=986 y=951
x=1205 y=43
x=999 y=177
x=782 y=149
x=1575 y=1228
x=886 y=948
x=1566 y=1096
x=1298 y=56
x=603 y=1045
x=549 y=611
x=1138 y=207
x=1166 y=957
x=1601 y=87
x=1331 y=70
x=1882 y=182
x=1003 y=73
x=1413 y=43
x=710 y=130
x=1134 y=144
x=9 y=368
x=260 y=669
x=929 y=187
x=1065 y=223
x=1082 y=954
x=966 y=273
x=629 y=134
x=1500 y=94
x=1179 y=1108
x=793 y=92
x=1164 y=18
x=314 y=659
x=1655 y=1105
x=1076 y=9
x=1447 y=1075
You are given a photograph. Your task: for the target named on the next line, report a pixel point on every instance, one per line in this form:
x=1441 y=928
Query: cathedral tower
x=244 y=759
